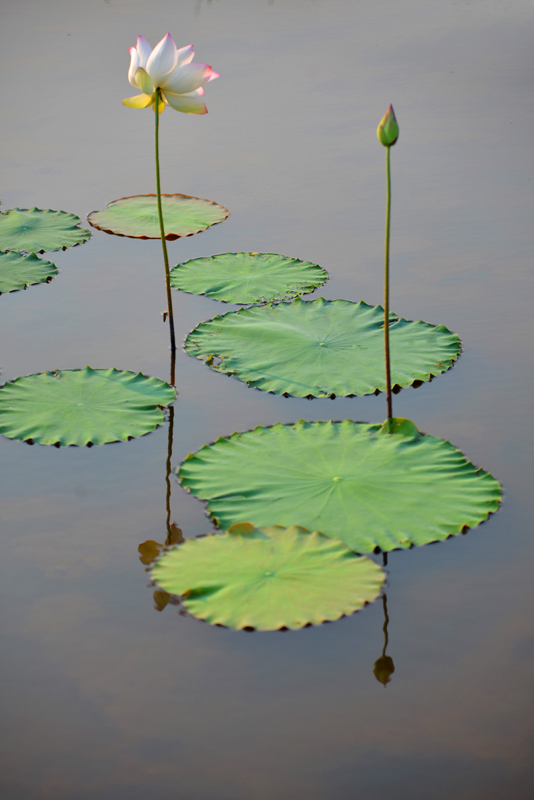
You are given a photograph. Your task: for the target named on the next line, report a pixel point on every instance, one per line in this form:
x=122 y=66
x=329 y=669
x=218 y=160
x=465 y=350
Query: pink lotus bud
x=388 y=130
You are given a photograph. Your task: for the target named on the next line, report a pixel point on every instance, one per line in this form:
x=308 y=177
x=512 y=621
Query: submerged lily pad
x=245 y=278
x=18 y=271
x=137 y=216
x=82 y=406
x=319 y=348
x=36 y=230
x=372 y=486
x=268 y=579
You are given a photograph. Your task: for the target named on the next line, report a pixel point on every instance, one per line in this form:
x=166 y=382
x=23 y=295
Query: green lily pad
x=268 y=579
x=320 y=348
x=18 y=271
x=372 y=486
x=82 y=406
x=137 y=216
x=245 y=278
x=36 y=230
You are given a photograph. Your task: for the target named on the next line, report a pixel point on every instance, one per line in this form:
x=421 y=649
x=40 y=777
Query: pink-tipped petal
x=187 y=78
x=162 y=60
x=144 y=81
x=214 y=75
x=144 y=50
x=134 y=66
x=188 y=103
x=139 y=101
x=185 y=54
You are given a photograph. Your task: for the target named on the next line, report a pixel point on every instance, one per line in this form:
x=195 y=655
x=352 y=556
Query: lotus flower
x=168 y=73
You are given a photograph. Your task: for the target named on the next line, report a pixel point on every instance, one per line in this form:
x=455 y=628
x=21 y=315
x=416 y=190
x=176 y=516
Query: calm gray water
x=105 y=697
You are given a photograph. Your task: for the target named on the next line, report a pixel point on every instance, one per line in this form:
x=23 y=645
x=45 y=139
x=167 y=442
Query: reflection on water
x=150 y=550
x=174 y=534
x=384 y=666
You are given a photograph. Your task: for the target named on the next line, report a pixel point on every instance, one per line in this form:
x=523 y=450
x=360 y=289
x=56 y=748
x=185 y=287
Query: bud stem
x=386 y=290
x=162 y=229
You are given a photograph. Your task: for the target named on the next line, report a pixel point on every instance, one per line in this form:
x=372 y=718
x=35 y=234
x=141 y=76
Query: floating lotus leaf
x=320 y=348
x=36 y=230
x=83 y=406
x=248 y=277
x=268 y=579
x=137 y=216
x=385 y=486
x=18 y=271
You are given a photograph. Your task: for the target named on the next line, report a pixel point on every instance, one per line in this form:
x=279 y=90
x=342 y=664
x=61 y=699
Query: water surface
x=105 y=697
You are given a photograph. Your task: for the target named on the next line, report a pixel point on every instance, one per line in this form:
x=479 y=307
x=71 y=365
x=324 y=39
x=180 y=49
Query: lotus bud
x=388 y=130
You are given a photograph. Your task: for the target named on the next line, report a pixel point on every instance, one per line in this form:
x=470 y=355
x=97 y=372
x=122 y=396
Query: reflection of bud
x=383 y=668
x=388 y=130
x=149 y=551
x=175 y=535
x=161 y=599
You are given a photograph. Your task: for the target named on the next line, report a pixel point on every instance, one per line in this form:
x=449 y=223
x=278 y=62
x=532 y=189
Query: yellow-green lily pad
x=137 y=216
x=268 y=578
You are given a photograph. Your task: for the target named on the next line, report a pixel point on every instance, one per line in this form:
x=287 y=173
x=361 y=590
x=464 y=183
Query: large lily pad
x=137 y=216
x=18 y=271
x=268 y=579
x=372 y=486
x=320 y=348
x=84 y=406
x=245 y=278
x=36 y=230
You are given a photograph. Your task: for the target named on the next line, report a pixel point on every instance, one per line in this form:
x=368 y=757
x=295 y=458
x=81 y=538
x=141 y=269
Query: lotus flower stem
x=162 y=228
x=386 y=289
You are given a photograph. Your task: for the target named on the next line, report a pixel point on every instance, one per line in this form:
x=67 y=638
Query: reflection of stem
x=386 y=290
x=386 y=623
x=173 y=364
x=162 y=227
x=384 y=666
x=168 y=474
x=169 y=456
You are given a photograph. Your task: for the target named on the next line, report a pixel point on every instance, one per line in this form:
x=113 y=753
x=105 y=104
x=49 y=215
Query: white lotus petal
x=139 y=101
x=184 y=55
x=144 y=81
x=214 y=75
x=134 y=66
x=144 y=50
x=186 y=78
x=188 y=103
x=197 y=93
x=162 y=59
